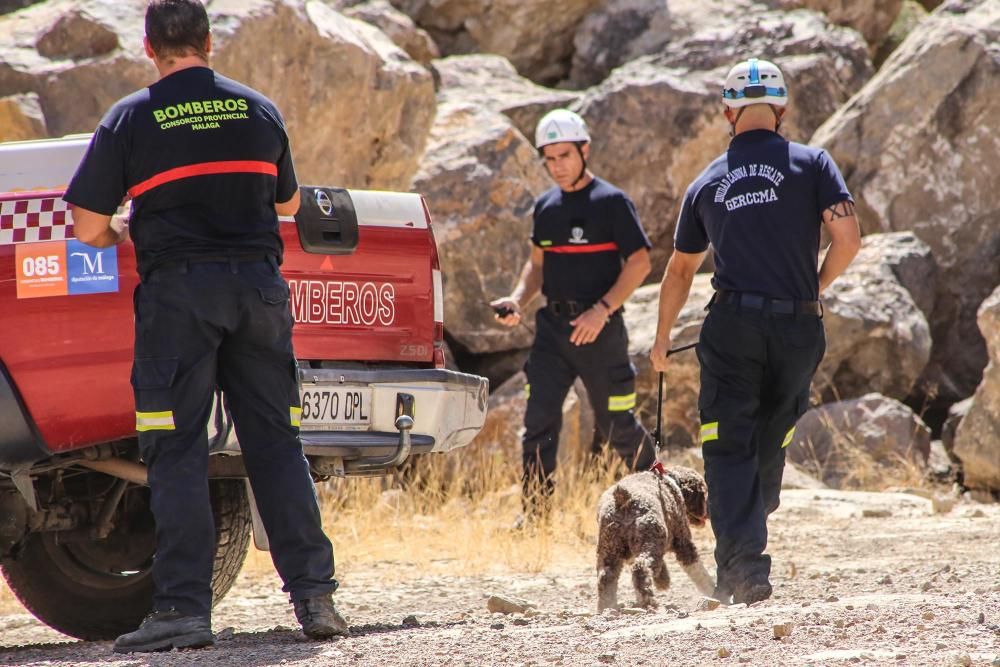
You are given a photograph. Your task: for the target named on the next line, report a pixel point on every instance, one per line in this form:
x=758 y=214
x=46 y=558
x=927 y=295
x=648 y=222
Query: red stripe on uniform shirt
x=204 y=169
x=597 y=247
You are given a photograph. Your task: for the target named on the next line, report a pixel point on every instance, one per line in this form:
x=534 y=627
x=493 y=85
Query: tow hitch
x=405 y=405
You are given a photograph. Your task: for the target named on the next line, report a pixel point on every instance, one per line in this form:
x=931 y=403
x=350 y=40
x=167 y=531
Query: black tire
x=99 y=589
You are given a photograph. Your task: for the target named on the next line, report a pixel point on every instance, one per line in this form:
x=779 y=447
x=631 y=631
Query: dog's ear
x=695 y=493
x=622 y=496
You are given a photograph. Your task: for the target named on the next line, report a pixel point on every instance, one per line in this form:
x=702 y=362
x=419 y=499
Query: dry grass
x=460 y=509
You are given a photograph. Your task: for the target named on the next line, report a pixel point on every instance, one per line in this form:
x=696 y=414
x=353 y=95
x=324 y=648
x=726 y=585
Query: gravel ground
x=860 y=578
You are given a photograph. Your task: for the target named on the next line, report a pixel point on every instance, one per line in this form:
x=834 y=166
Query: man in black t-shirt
x=589 y=253
x=207 y=165
x=759 y=205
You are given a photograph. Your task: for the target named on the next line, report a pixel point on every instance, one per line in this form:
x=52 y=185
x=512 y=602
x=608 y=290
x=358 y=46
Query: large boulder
x=79 y=57
x=977 y=440
x=867 y=442
x=8 y=6
x=918 y=146
x=536 y=35
x=878 y=338
x=480 y=177
x=359 y=109
x=21 y=118
x=619 y=31
x=909 y=17
x=399 y=27
x=663 y=111
x=708 y=34
x=908 y=258
x=492 y=82
x=872 y=19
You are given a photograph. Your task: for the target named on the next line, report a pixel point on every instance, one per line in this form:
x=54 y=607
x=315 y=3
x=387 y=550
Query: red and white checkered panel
x=34 y=219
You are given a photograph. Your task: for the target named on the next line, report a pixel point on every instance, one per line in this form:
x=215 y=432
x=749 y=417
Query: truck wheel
x=99 y=589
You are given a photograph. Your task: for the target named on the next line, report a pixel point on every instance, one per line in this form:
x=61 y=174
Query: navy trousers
x=607 y=373
x=756 y=368
x=199 y=325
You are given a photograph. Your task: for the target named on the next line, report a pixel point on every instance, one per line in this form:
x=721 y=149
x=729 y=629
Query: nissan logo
x=324 y=202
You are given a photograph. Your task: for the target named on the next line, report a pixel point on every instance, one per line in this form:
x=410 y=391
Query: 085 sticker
x=61 y=268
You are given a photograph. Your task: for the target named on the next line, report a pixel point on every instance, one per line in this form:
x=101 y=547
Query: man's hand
x=588 y=326
x=658 y=355
x=506 y=311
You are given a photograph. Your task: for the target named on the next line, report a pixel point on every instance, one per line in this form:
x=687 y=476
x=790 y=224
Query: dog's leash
x=657 y=467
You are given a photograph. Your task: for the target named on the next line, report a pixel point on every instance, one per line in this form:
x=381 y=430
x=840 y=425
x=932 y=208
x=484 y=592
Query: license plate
x=336 y=408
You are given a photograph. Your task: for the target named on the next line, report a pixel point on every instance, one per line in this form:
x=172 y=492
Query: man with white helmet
x=588 y=254
x=760 y=205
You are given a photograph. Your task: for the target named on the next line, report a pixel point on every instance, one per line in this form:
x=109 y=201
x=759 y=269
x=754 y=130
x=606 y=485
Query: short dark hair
x=177 y=27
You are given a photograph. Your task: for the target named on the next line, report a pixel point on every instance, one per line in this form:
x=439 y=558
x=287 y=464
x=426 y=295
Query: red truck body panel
x=70 y=357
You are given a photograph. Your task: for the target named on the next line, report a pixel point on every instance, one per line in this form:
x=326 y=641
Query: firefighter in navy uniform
x=760 y=205
x=207 y=164
x=589 y=253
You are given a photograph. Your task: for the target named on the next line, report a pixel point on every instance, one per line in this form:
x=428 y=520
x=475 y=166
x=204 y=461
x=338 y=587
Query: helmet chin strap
x=583 y=170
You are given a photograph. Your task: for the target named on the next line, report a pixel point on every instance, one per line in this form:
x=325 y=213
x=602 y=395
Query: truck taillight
x=438 y=285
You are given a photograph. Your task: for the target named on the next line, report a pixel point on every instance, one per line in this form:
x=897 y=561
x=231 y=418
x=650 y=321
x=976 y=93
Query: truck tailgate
x=375 y=303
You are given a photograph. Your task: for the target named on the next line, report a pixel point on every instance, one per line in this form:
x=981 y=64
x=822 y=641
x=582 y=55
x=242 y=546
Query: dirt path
x=863 y=578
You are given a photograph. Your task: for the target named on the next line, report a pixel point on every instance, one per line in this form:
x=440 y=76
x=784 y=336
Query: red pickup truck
x=76 y=533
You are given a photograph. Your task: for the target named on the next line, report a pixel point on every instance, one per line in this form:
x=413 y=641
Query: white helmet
x=754 y=82
x=558 y=126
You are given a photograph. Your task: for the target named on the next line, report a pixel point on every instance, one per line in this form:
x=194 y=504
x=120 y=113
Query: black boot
x=319 y=618
x=754 y=589
x=164 y=630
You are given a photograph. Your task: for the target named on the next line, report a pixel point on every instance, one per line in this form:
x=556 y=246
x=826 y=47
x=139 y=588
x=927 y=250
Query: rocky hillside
x=441 y=96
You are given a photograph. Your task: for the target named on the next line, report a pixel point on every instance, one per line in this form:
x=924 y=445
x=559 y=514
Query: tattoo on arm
x=844 y=209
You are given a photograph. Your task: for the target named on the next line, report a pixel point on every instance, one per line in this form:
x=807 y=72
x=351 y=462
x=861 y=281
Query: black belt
x=233 y=261
x=767 y=304
x=574 y=308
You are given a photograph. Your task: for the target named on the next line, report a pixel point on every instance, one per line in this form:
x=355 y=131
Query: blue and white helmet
x=754 y=82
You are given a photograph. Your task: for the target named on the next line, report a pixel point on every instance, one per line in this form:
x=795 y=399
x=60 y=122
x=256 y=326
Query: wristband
x=604 y=303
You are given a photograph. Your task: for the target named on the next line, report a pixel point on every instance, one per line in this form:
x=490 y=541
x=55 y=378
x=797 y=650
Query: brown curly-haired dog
x=640 y=519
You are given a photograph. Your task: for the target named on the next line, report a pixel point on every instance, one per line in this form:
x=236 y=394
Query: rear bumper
x=450 y=409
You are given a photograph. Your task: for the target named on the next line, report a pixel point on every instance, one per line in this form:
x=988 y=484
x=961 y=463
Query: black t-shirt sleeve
x=99 y=182
x=535 y=239
x=626 y=228
x=832 y=188
x=690 y=236
x=287 y=183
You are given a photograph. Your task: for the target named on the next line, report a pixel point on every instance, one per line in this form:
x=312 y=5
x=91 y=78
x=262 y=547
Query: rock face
x=480 y=177
x=866 y=442
x=375 y=140
x=977 y=441
x=492 y=82
x=80 y=57
x=69 y=55
x=918 y=146
x=399 y=27
x=877 y=337
x=536 y=35
x=76 y=35
x=824 y=65
x=872 y=19
x=21 y=118
x=616 y=32
x=908 y=258
x=8 y=6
